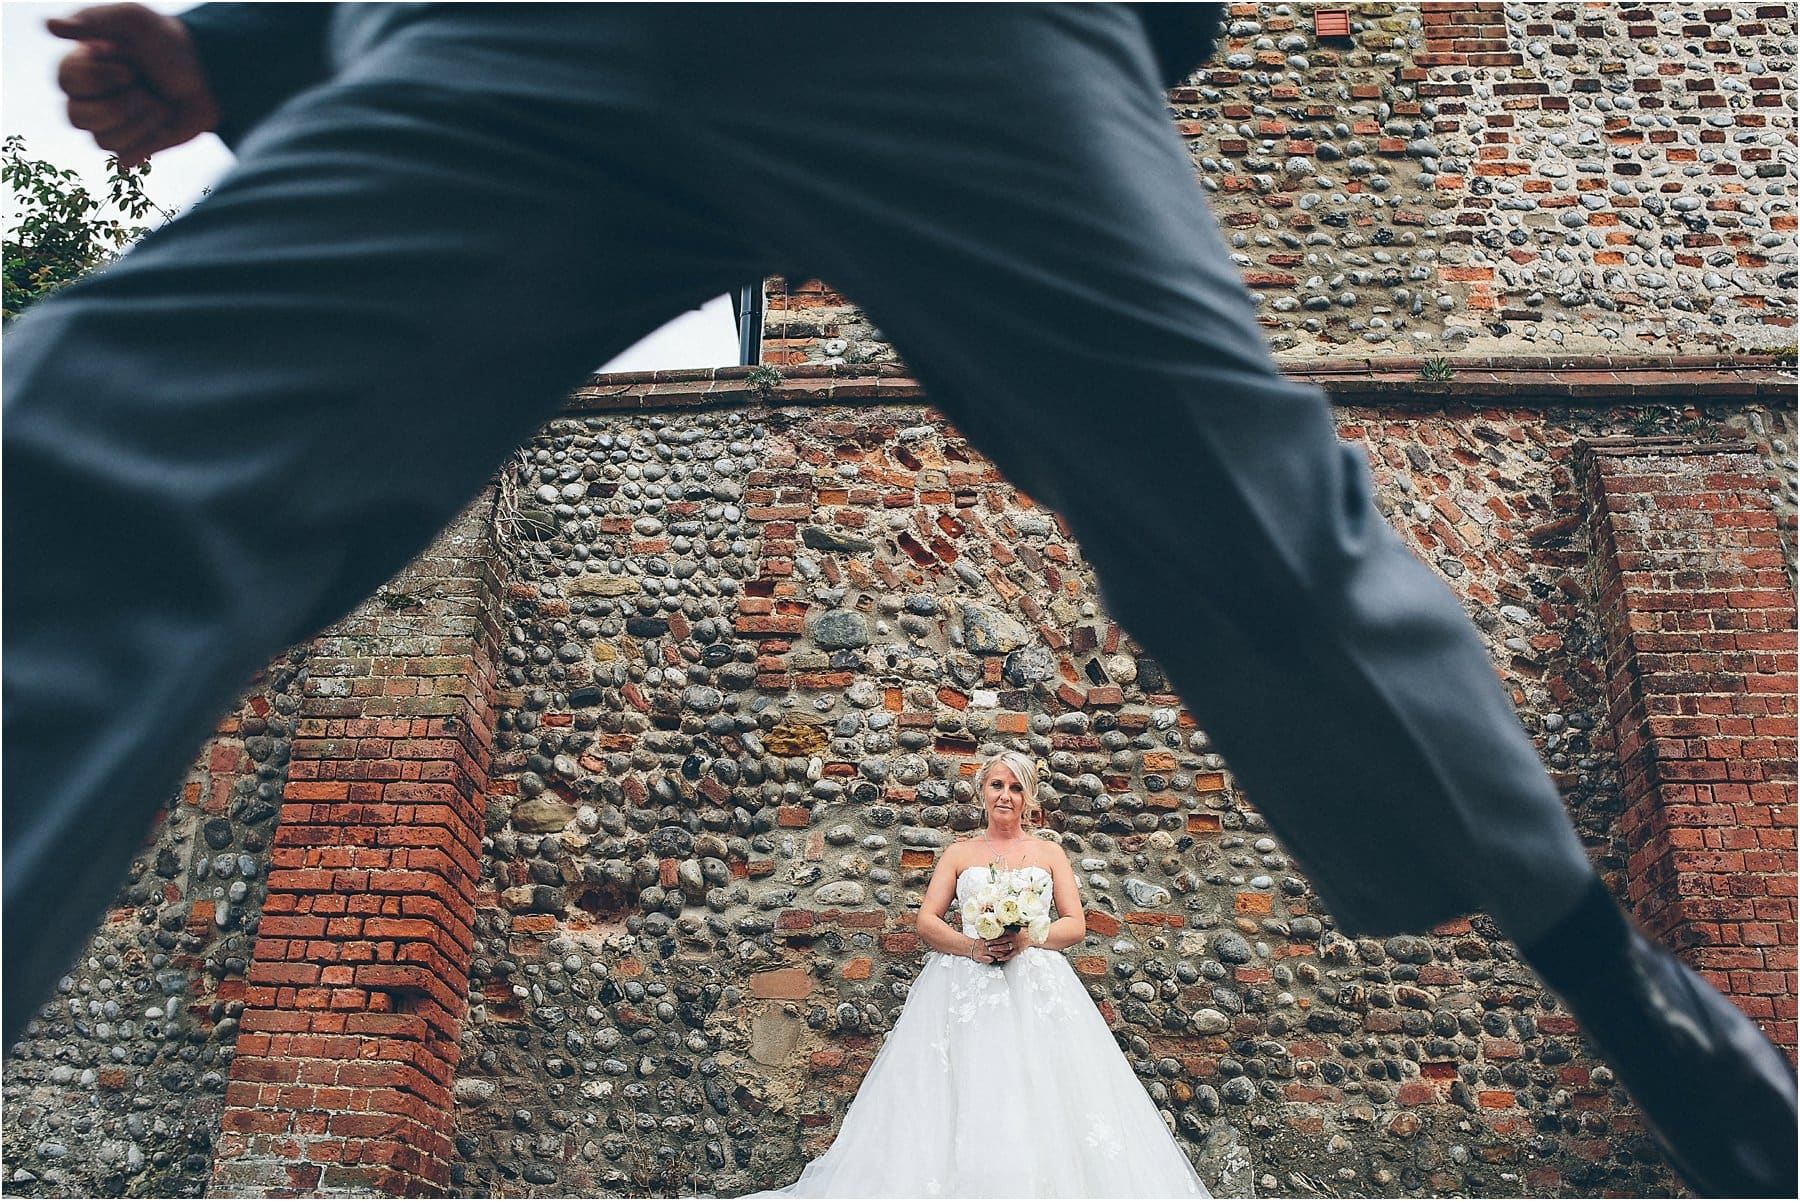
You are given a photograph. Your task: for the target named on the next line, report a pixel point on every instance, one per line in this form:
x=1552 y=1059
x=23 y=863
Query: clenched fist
x=134 y=81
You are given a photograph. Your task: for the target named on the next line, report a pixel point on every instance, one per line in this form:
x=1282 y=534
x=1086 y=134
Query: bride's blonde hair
x=1024 y=770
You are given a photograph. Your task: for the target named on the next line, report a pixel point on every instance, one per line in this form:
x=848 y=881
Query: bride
x=1000 y=1078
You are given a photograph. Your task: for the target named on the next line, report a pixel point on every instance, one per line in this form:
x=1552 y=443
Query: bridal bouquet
x=1010 y=900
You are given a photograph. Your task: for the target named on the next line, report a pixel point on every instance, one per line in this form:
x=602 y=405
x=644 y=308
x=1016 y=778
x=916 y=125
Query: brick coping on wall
x=1524 y=379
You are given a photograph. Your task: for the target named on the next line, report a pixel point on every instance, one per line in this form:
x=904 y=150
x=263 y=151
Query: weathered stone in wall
x=542 y=815
x=839 y=630
x=774 y=1036
x=987 y=631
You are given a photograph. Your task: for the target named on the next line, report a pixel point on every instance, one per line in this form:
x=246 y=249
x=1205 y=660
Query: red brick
x=783 y=984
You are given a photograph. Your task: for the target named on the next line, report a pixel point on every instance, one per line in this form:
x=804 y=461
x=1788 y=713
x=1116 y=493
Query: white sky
x=30 y=104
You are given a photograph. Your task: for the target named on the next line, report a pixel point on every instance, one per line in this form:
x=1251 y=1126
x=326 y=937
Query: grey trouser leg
x=230 y=437
x=1037 y=247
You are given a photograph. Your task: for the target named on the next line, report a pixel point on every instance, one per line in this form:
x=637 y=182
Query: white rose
x=987 y=927
x=969 y=911
x=1008 y=913
x=1040 y=929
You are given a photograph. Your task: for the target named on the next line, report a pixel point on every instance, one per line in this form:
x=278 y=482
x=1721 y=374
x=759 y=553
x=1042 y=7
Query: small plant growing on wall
x=1437 y=371
x=512 y=480
x=1651 y=420
x=395 y=600
x=662 y=1171
x=763 y=380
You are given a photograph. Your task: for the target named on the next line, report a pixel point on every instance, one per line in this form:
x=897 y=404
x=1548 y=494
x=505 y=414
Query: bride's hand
x=979 y=951
x=1006 y=946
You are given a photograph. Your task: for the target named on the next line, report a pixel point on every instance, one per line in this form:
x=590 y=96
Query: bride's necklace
x=1000 y=852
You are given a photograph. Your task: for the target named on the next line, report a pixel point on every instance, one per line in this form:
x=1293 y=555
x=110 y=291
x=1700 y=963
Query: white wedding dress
x=1000 y=1081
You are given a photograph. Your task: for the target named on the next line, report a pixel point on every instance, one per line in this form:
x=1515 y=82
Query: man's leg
x=1046 y=262
x=234 y=434
x=1042 y=256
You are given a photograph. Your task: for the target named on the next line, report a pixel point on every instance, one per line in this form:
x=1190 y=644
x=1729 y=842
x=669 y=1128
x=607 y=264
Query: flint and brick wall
x=1479 y=178
x=739 y=647
x=1698 y=609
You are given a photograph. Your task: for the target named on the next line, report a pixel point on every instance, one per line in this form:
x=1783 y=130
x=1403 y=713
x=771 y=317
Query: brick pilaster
x=359 y=977
x=1698 y=614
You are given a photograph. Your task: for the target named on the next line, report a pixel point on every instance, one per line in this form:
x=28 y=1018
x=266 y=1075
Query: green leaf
x=56 y=230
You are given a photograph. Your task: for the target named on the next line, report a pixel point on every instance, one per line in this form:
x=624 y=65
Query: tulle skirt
x=1000 y=1082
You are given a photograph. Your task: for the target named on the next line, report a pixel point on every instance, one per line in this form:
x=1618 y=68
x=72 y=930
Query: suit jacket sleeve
x=256 y=56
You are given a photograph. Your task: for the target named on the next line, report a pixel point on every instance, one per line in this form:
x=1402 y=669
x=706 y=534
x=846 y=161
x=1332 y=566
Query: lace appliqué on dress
x=1047 y=999
x=1102 y=1137
x=975 y=987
